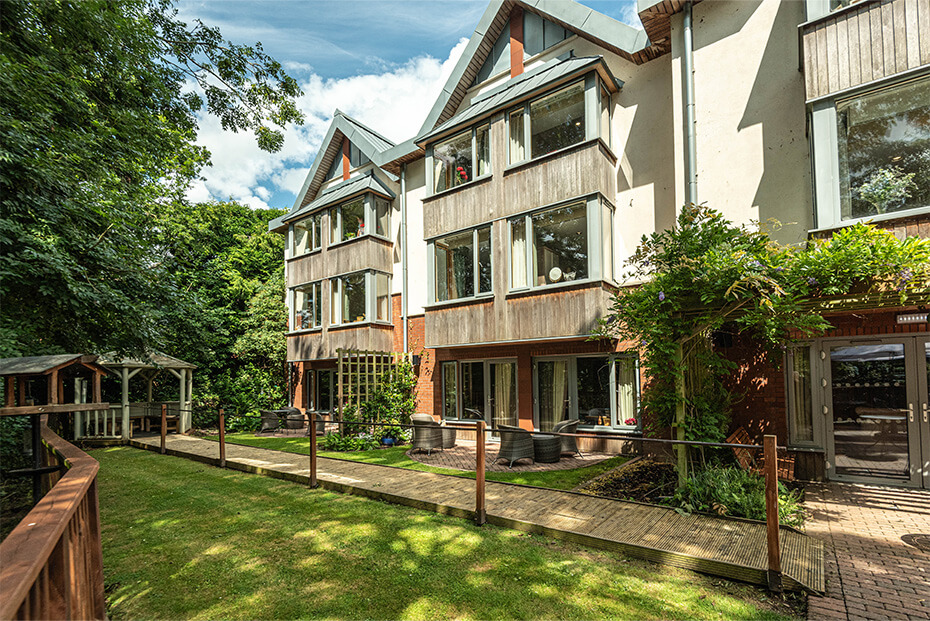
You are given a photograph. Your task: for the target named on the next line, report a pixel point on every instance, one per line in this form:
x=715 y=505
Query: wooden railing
x=51 y=565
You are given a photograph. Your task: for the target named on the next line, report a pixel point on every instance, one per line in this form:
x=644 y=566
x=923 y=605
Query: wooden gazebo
x=128 y=368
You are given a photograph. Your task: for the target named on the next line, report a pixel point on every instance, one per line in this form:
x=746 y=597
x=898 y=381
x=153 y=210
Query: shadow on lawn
x=187 y=540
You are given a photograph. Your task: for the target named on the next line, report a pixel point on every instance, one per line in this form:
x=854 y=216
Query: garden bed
x=643 y=480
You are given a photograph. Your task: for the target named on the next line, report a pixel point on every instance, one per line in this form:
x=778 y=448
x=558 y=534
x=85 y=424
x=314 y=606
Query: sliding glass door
x=488 y=391
x=552 y=400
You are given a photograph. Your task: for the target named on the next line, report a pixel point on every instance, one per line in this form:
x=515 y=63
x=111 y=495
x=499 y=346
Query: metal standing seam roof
x=36 y=365
x=362 y=183
x=514 y=89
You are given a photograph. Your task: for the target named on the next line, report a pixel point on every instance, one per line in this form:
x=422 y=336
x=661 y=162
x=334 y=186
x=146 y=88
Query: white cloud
x=394 y=103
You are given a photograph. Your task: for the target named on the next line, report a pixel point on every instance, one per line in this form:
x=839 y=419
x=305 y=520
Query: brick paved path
x=871 y=572
x=462 y=457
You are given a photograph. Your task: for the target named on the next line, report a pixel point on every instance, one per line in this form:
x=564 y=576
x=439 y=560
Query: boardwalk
x=729 y=548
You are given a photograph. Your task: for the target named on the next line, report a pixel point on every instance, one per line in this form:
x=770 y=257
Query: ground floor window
x=597 y=391
x=480 y=390
x=319 y=385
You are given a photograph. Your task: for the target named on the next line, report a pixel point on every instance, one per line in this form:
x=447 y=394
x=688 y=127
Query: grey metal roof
x=378 y=141
x=368 y=182
x=155 y=360
x=34 y=365
x=516 y=88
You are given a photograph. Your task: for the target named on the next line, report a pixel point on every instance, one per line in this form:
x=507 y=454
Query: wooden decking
x=729 y=548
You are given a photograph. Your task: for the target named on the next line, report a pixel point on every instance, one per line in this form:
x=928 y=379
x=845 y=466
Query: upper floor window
x=548 y=124
x=549 y=247
x=308 y=234
x=360 y=297
x=358 y=217
x=462 y=158
x=884 y=147
x=308 y=306
x=462 y=264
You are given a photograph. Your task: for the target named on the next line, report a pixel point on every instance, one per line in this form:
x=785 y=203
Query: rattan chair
x=427 y=434
x=516 y=443
x=271 y=420
x=569 y=445
x=448 y=435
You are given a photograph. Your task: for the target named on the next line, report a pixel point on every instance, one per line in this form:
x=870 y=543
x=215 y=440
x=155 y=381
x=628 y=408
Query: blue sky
x=382 y=62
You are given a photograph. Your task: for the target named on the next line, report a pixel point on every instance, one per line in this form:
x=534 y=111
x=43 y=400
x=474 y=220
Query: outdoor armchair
x=569 y=445
x=427 y=434
x=516 y=443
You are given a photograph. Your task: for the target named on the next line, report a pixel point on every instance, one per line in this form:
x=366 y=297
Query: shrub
x=343 y=443
x=738 y=493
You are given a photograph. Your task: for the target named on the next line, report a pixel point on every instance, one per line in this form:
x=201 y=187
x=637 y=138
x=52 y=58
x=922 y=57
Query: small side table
x=546 y=449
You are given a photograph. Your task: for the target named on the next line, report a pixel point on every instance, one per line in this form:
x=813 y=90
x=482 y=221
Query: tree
x=99 y=127
x=707 y=275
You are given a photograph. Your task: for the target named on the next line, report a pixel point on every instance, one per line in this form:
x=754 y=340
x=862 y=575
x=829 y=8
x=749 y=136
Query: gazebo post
x=182 y=376
x=188 y=422
x=124 y=375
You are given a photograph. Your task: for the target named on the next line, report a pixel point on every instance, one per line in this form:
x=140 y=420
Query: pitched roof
x=368 y=182
x=367 y=140
x=518 y=88
x=36 y=365
x=155 y=360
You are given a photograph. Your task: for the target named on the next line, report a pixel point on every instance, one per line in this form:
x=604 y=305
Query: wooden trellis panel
x=359 y=373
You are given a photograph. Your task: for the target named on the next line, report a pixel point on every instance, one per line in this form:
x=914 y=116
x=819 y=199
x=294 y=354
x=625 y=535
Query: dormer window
x=462 y=158
x=308 y=235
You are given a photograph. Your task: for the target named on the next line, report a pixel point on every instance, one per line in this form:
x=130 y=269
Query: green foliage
x=342 y=443
x=707 y=275
x=394 y=399
x=886 y=187
x=99 y=125
x=738 y=493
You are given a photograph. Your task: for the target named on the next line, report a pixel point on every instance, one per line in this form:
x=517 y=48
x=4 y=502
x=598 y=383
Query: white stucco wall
x=416 y=257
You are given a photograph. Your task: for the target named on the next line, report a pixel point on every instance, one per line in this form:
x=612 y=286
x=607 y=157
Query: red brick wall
x=416 y=338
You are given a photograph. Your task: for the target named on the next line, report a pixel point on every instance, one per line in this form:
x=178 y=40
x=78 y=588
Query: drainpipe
x=688 y=78
x=403 y=253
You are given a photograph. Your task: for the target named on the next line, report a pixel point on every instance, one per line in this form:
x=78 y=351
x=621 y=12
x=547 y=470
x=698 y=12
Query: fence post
x=164 y=425
x=481 y=515
x=313 y=482
x=222 y=439
x=771 y=513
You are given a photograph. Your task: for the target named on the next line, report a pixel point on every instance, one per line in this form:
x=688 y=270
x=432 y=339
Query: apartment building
x=490 y=243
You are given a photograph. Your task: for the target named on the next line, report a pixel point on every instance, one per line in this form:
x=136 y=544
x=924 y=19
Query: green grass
x=183 y=540
x=396 y=456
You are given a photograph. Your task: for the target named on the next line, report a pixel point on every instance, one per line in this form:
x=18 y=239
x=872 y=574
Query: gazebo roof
x=40 y=365
x=156 y=360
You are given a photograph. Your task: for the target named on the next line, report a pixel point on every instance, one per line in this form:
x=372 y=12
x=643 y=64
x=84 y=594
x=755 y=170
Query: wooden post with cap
x=771 y=513
x=481 y=515
x=312 y=423
x=164 y=425
x=222 y=439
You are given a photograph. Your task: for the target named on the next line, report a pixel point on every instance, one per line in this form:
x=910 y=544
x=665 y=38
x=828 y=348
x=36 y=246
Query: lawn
x=396 y=456
x=183 y=540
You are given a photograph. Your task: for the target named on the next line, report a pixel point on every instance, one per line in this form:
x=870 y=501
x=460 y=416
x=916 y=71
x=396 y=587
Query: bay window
x=308 y=235
x=550 y=247
x=359 y=217
x=308 y=310
x=461 y=158
x=883 y=146
x=462 y=265
x=360 y=297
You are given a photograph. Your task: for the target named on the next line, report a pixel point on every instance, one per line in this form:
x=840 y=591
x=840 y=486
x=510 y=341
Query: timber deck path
x=728 y=548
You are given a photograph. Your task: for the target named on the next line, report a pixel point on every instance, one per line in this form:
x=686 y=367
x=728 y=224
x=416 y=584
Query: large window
x=597 y=391
x=462 y=158
x=462 y=264
x=358 y=217
x=800 y=405
x=308 y=235
x=360 y=297
x=884 y=150
x=488 y=391
x=548 y=124
x=308 y=306
x=558 y=247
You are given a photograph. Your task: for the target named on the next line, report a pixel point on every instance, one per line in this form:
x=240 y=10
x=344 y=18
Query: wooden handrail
x=27 y=410
x=51 y=564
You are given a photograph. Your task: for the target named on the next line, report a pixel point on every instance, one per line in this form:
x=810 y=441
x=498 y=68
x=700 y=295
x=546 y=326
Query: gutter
x=691 y=195
x=403 y=254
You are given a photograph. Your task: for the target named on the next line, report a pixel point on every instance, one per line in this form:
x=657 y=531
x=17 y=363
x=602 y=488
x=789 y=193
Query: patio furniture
x=546 y=449
x=427 y=434
x=516 y=443
x=569 y=445
x=271 y=420
x=320 y=425
x=294 y=419
x=448 y=436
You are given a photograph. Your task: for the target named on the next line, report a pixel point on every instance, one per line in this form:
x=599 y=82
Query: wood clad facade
x=322 y=344
x=363 y=253
x=563 y=312
x=865 y=42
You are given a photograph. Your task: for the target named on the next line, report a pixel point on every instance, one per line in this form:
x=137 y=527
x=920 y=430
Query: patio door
x=489 y=392
x=876 y=409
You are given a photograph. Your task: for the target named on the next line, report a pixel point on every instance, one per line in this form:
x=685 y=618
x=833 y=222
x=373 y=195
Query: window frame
x=433 y=273
x=595 y=236
x=815 y=360
x=315 y=294
x=486 y=378
x=312 y=401
x=336 y=290
x=592 y=85
x=370 y=213
x=430 y=165
x=572 y=372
